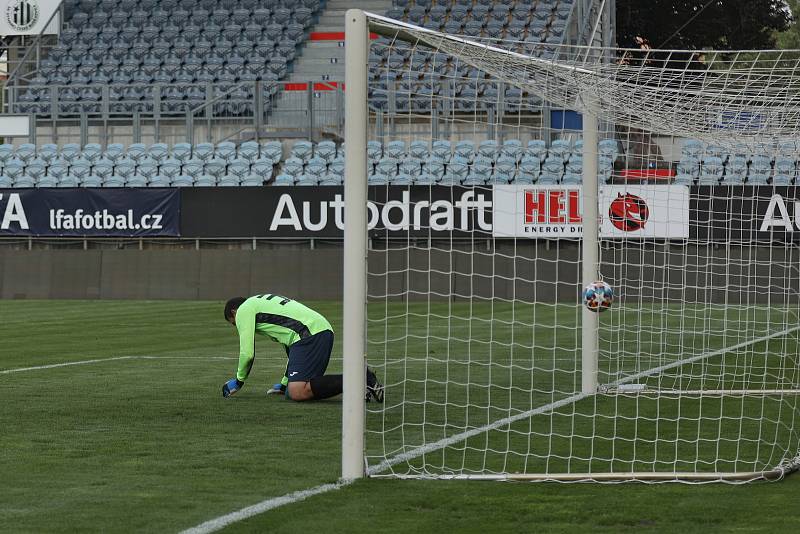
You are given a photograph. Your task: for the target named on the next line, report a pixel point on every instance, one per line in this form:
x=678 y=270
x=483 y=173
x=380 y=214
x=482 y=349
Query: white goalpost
x=488 y=182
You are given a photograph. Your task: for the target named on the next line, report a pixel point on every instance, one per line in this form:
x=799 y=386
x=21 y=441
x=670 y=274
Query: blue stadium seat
x=249 y=150
x=411 y=166
x=239 y=167
x=785 y=168
x=229 y=180
x=433 y=167
x=262 y=167
x=326 y=150
x=395 y=149
x=181 y=151
x=506 y=165
x=215 y=167
x=488 y=148
x=137 y=180
x=377 y=179
x=225 y=150
x=44 y=181
x=512 y=148
x=402 y=179
x=158 y=151
x=316 y=167
x=552 y=169
x=456 y=171
x=159 y=180
x=419 y=149
x=713 y=151
x=331 y=179
x=293 y=166
x=425 y=179
x=6 y=152
x=387 y=166
x=302 y=150
x=47 y=152
x=147 y=167
x=205 y=180
x=170 y=167
x=25 y=152
x=337 y=166
x=70 y=151
x=68 y=181
x=441 y=150
x=465 y=150
x=114 y=151
x=24 y=181
x=605 y=170
x=92 y=152
x=711 y=171
x=124 y=167
x=251 y=180
x=203 y=151
x=560 y=148
x=500 y=178
x=307 y=180
x=273 y=151
x=113 y=181
x=182 y=181
x=482 y=166
x=736 y=170
x=5 y=182
x=374 y=151
x=609 y=149
x=80 y=168
x=284 y=179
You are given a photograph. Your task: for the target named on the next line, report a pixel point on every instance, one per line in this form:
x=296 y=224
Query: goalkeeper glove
x=231 y=386
x=277 y=389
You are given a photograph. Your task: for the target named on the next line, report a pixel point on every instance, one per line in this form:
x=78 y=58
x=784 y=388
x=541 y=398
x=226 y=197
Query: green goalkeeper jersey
x=279 y=318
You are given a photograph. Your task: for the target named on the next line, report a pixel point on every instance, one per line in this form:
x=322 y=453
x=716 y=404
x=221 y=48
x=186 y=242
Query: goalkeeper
x=305 y=334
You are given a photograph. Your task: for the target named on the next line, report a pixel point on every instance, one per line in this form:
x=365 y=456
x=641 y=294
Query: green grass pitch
x=147 y=443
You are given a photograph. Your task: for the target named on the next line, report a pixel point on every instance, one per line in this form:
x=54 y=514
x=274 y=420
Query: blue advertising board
x=90 y=212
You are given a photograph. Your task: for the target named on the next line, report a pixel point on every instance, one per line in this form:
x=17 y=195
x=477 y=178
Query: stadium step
x=320 y=59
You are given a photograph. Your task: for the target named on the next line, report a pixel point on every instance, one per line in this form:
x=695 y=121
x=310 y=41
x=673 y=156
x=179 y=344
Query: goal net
x=503 y=176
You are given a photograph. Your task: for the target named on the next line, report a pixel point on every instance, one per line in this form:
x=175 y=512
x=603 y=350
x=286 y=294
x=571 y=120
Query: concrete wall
x=169 y=274
x=528 y=270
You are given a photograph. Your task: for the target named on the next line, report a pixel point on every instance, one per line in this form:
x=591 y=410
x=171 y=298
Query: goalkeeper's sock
x=326 y=386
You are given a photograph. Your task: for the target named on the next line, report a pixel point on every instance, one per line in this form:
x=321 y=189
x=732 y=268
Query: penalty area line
x=112 y=359
x=223 y=521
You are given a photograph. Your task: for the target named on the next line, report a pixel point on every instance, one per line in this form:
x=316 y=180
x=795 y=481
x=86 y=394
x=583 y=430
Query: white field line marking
x=224 y=520
x=456 y=438
x=699 y=357
x=115 y=358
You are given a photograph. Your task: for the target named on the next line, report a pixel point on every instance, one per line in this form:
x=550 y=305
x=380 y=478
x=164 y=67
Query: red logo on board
x=553 y=206
x=628 y=212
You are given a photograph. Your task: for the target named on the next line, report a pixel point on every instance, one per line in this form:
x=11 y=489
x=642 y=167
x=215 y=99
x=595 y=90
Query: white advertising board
x=633 y=211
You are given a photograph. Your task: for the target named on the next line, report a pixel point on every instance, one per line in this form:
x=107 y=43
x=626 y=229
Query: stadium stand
x=394 y=162
x=305 y=163
x=712 y=165
x=182 y=44
x=536 y=28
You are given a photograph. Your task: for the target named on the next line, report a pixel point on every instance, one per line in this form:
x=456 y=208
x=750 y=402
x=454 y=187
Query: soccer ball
x=598 y=296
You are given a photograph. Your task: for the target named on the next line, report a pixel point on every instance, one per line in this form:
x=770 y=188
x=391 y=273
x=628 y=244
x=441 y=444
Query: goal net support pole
x=590 y=247
x=355 y=245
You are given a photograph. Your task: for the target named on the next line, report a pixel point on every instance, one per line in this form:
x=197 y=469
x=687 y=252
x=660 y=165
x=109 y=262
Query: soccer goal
x=488 y=182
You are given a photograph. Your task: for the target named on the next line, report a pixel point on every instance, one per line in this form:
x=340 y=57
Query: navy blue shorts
x=309 y=357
